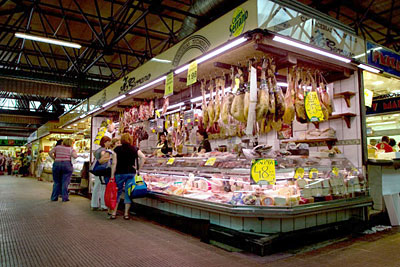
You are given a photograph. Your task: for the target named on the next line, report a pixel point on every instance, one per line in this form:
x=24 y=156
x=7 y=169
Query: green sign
x=11 y=142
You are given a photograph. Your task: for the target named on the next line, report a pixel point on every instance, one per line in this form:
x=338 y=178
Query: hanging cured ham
x=204 y=106
x=237 y=109
x=263 y=95
x=217 y=99
x=210 y=107
x=325 y=97
x=288 y=117
x=299 y=97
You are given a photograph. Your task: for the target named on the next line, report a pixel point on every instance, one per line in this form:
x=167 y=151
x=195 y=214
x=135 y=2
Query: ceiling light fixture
x=148 y=85
x=113 y=101
x=309 y=48
x=378 y=82
x=214 y=53
x=47 y=40
x=369 y=68
x=381 y=123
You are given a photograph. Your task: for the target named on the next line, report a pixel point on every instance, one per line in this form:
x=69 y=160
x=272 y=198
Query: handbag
x=137 y=187
x=102 y=170
x=111 y=193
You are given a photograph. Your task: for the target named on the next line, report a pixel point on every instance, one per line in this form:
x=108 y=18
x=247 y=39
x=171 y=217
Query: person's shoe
x=113 y=217
x=94 y=208
x=65 y=200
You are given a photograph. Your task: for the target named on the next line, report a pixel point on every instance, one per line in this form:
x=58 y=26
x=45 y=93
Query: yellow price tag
x=335 y=171
x=368 y=96
x=313 y=173
x=299 y=173
x=158 y=113
x=188 y=120
x=192 y=73
x=170 y=161
x=169 y=85
x=313 y=107
x=210 y=162
x=263 y=171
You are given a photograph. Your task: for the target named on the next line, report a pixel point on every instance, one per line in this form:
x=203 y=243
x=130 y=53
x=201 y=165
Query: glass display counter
x=306 y=192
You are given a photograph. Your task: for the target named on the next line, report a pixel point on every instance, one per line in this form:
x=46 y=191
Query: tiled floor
x=37 y=232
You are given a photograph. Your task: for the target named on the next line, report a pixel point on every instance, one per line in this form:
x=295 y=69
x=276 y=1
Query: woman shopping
x=62 y=169
x=127 y=156
x=102 y=156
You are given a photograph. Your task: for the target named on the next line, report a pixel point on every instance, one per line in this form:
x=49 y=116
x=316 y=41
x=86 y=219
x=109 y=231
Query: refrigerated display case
x=319 y=190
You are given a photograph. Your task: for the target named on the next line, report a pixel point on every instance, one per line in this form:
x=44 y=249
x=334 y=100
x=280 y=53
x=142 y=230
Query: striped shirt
x=62 y=153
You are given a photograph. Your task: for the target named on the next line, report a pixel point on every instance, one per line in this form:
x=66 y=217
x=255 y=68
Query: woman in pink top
x=62 y=169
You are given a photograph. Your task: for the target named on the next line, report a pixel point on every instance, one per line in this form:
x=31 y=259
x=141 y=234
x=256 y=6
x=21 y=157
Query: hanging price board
x=192 y=73
x=170 y=161
x=210 y=162
x=299 y=173
x=313 y=173
x=368 y=96
x=263 y=171
x=313 y=107
x=169 y=85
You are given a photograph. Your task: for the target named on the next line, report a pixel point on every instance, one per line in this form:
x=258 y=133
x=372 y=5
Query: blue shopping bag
x=137 y=187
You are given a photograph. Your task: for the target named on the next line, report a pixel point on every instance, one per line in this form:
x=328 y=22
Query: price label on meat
x=210 y=162
x=299 y=173
x=335 y=171
x=313 y=173
x=263 y=171
x=192 y=73
x=170 y=161
x=313 y=107
x=169 y=85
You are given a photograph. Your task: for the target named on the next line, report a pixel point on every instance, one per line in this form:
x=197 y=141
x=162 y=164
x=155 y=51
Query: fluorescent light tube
x=381 y=123
x=214 y=53
x=309 y=48
x=47 y=40
x=113 y=101
x=174 y=111
x=368 y=68
x=173 y=106
x=161 y=60
x=148 y=85
x=93 y=111
x=82 y=116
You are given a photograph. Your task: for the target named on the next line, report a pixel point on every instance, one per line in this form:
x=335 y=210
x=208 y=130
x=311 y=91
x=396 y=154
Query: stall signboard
x=384 y=106
x=33 y=136
x=225 y=28
x=12 y=142
x=287 y=21
x=383 y=58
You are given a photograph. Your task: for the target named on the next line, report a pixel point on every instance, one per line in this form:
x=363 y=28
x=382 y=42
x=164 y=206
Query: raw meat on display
x=165 y=106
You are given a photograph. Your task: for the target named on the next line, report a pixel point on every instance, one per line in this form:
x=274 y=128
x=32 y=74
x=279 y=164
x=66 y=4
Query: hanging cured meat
x=247 y=93
x=217 y=99
x=270 y=74
x=288 y=117
x=299 y=97
x=204 y=106
x=165 y=106
x=151 y=109
x=314 y=89
x=210 y=107
x=325 y=97
x=280 y=106
x=237 y=109
x=262 y=95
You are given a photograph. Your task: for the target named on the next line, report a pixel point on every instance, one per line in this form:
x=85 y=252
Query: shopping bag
x=110 y=196
x=101 y=169
x=137 y=187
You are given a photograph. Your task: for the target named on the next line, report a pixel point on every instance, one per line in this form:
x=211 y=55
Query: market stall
x=282 y=117
x=382 y=97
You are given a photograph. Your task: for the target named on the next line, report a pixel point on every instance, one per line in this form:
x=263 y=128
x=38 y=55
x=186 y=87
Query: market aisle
x=37 y=232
